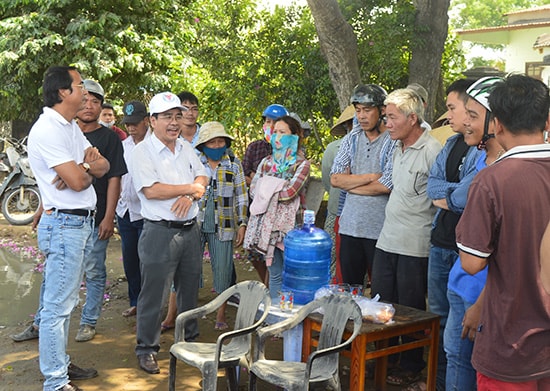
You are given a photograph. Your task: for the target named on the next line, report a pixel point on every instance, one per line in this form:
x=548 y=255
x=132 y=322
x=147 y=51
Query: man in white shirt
x=169 y=178
x=65 y=165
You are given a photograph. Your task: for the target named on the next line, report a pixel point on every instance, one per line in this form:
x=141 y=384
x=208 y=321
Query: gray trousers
x=166 y=254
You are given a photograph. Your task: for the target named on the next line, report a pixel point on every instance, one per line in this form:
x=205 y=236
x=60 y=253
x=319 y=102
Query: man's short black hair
x=107 y=106
x=56 y=78
x=189 y=97
x=460 y=86
x=521 y=104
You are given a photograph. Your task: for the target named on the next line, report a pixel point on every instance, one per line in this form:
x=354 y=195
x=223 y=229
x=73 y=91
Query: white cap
x=163 y=102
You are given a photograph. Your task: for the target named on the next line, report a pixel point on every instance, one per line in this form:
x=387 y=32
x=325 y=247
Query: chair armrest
x=277 y=328
x=357 y=323
x=195 y=313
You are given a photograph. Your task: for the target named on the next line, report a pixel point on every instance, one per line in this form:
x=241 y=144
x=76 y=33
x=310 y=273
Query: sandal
x=164 y=328
x=402 y=377
x=221 y=326
x=416 y=386
x=129 y=312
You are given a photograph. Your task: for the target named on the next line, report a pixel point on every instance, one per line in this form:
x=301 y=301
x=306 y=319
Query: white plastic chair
x=322 y=365
x=209 y=357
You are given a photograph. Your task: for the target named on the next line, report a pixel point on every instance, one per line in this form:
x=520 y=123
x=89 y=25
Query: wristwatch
x=86 y=166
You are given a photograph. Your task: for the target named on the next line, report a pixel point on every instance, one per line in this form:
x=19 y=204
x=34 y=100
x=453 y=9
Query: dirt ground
x=111 y=352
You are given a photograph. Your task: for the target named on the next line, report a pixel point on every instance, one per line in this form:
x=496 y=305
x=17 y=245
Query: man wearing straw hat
x=342 y=127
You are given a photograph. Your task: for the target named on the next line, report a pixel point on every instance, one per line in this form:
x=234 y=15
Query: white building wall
x=520 y=49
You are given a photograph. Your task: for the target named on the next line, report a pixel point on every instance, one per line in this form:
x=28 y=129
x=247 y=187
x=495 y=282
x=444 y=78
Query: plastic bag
x=371 y=309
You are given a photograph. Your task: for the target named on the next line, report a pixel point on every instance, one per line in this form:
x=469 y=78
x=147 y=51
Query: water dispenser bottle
x=307 y=257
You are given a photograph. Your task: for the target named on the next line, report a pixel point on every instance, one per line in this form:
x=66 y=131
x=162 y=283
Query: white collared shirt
x=129 y=200
x=152 y=162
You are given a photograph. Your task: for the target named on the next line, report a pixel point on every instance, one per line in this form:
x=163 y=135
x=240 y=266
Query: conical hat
x=338 y=129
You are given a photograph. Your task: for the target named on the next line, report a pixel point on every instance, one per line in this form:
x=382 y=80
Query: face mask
x=267 y=132
x=107 y=124
x=214 y=154
x=285 y=148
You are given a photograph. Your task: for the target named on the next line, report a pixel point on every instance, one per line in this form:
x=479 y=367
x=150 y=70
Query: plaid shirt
x=297 y=177
x=254 y=154
x=230 y=196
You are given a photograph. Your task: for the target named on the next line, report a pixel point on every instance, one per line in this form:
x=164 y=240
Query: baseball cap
x=163 y=102
x=134 y=111
x=421 y=91
x=94 y=87
x=303 y=124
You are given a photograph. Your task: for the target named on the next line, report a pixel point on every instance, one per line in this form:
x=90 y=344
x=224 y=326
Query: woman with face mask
x=223 y=207
x=278 y=193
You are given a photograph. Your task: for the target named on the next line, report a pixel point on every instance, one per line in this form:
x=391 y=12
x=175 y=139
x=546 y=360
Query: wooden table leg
x=357 y=370
x=381 y=369
x=432 y=356
x=306 y=339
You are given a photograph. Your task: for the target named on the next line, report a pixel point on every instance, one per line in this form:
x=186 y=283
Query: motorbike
x=19 y=191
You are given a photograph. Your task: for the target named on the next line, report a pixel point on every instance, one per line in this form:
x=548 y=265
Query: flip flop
x=221 y=326
x=129 y=312
x=402 y=378
x=164 y=328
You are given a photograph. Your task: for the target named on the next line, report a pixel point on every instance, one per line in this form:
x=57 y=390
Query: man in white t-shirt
x=65 y=165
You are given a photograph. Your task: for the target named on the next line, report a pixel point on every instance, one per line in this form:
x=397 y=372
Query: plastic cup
x=356 y=290
x=286 y=301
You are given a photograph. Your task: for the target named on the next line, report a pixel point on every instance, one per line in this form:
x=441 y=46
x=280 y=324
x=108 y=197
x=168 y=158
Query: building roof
x=542 y=41
x=532 y=18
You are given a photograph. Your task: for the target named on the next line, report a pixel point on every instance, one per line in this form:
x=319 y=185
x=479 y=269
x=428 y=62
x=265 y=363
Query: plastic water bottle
x=307 y=257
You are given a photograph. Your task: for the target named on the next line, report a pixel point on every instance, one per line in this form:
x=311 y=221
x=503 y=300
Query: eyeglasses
x=81 y=85
x=170 y=117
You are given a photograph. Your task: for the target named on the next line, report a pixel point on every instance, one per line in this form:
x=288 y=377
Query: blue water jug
x=307 y=257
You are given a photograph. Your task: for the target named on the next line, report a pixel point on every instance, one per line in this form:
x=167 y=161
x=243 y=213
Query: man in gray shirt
x=399 y=272
x=363 y=169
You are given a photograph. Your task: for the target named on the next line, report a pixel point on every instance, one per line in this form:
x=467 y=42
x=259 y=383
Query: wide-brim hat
x=211 y=130
x=339 y=129
x=134 y=112
x=442 y=120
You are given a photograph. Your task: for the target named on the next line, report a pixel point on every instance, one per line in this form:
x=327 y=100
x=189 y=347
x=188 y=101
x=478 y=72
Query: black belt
x=77 y=212
x=174 y=224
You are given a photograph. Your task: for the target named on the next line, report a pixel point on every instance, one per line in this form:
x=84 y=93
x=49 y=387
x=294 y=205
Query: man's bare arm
x=372 y=189
x=351 y=181
x=471 y=263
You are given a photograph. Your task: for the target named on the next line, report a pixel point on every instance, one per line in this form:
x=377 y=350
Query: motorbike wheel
x=20 y=210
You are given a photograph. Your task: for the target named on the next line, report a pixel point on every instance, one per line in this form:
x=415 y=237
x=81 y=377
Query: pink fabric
x=267 y=230
x=265 y=188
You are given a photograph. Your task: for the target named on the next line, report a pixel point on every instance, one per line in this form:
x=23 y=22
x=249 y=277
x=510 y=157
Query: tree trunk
x=339 y=46
x=431 y=27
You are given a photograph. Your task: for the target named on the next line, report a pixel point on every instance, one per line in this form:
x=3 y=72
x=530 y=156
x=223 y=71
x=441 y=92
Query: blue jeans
x=129 y=234
x=440 y=263
x=276 y=274
x=65 y=240
x=460 y=373
x=96 y=277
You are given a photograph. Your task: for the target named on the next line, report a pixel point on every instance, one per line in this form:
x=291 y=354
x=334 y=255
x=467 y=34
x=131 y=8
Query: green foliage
x=471 y=14
x=384 y=32
x=127 y=52
x=235 y=57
